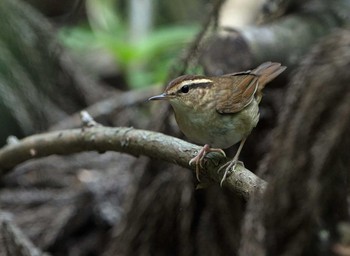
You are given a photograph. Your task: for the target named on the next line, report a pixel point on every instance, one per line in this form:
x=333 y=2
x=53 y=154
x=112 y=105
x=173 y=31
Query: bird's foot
x=198 y=159
x=229 y=168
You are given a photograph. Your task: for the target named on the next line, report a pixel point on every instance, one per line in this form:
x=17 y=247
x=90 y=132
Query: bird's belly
x=219 y=130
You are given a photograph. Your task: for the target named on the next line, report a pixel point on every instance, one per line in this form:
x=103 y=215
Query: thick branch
x=127 y=140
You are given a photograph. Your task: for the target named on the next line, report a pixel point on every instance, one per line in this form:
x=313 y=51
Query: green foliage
x=151 y=57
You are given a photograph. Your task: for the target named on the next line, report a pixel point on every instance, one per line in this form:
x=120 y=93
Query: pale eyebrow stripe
x=196 y=81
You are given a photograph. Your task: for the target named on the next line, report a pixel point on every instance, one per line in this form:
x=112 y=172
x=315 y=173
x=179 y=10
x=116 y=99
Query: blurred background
x=115 y=44
x=58 y=57
x=137 y=40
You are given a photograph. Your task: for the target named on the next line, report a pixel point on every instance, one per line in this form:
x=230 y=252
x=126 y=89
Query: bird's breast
x=217 y=130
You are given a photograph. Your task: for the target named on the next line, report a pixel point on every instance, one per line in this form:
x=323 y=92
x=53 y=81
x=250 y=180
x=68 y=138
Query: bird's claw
x=230 y=167
x=198 y=164
x=198 y=159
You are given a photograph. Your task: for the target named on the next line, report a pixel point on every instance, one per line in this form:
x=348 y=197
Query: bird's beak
x=162 y=96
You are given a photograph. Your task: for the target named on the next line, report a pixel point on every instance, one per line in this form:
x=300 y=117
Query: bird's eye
x=185 y=89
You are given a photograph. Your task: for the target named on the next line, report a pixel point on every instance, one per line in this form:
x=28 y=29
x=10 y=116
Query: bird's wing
x=234 y=98
x=244 y=86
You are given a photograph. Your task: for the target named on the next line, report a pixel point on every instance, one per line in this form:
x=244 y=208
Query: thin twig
x=191 y=53
x=15 y=241
x=108 y=106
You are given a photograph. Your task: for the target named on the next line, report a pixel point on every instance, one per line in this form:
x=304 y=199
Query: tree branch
x=14 y=240
x=107 y=106
x=131 y=141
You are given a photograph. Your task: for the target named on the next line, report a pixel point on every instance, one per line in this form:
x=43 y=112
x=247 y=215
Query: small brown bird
x=219 y=111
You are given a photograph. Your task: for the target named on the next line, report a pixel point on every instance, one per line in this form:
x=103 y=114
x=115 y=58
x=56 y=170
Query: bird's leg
x=231 y=165
x=198 y=159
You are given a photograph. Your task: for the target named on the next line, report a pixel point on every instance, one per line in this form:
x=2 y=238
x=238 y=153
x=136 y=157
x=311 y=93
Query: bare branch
x=131 y=141
x=14 y=240
x=107 y=106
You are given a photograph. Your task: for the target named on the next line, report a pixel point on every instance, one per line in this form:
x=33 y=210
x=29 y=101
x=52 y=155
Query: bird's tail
x=266 y=72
